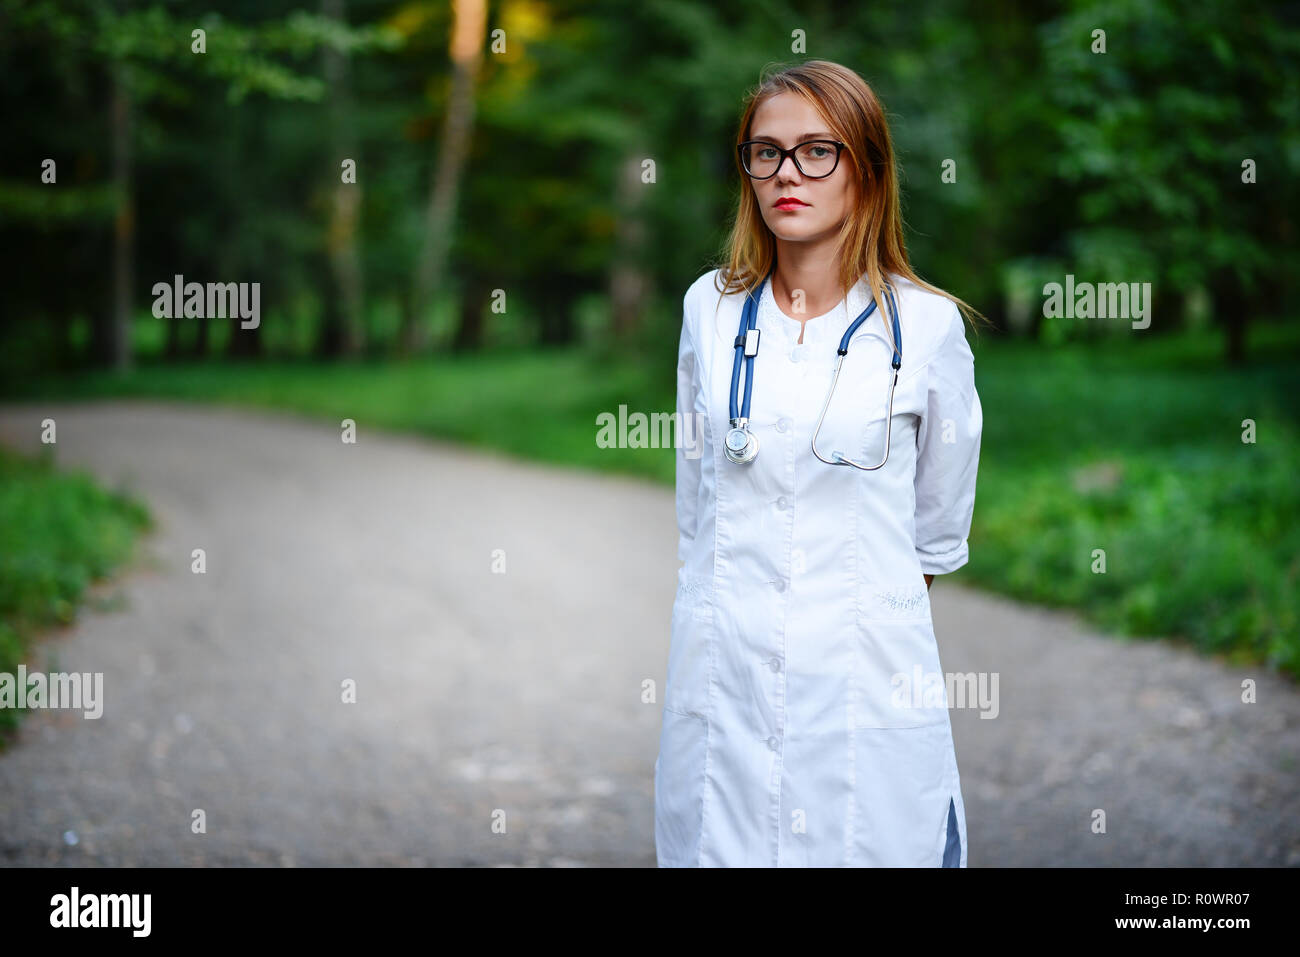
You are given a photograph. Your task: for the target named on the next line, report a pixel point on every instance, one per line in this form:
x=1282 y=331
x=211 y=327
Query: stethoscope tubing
x=740 y=416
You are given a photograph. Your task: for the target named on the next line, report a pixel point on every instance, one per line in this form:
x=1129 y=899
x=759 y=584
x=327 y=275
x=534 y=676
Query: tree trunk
x=172 y=346
x=1230 y=311
x=471 y=328
x=233 y=257
x=246 y=343
x=202 y=337
x=555 y=309
x=343 y=328
x=627 y=279
x=469 y=23
x=123 y=222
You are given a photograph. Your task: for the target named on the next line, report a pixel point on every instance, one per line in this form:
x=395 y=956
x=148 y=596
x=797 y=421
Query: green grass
x=539 y=404
x=1131 y=445
x=59 y=531
x=1135 y=448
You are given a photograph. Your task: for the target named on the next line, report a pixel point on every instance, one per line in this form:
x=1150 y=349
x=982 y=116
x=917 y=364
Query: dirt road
x=485 y=695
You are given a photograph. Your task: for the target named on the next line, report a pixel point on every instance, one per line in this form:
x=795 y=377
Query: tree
x=1163 y=133
x=467 y=37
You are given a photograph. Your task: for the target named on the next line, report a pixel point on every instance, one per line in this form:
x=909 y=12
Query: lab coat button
x=772 y=742
x=774 y=664
x=780 y=584
x=782 y=424
x=781 y=503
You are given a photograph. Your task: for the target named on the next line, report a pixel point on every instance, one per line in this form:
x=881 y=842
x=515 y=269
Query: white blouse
x=802 y=725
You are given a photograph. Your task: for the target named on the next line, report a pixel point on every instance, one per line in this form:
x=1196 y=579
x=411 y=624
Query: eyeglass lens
x=815 y=158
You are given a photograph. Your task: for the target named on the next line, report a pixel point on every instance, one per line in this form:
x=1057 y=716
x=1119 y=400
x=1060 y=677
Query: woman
x=805 y=716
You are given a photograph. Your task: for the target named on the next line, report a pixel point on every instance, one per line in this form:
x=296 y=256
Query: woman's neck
x=806 y=282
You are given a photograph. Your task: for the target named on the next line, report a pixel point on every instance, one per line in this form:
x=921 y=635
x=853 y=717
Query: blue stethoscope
x=741 y=445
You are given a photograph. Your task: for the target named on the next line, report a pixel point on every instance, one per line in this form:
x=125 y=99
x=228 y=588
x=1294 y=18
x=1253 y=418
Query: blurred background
x=468 y=214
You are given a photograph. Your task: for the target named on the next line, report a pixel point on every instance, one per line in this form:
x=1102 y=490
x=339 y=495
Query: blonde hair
x=870 y=241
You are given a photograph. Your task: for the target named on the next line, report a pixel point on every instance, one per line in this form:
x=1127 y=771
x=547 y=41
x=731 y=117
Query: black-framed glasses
x=815 y=159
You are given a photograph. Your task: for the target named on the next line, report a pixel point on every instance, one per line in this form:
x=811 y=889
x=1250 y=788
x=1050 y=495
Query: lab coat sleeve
x=948 y=449
x=688 y=461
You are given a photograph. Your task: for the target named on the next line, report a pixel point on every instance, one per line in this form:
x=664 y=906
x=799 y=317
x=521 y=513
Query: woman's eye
x=767 y=153
x=819 y=151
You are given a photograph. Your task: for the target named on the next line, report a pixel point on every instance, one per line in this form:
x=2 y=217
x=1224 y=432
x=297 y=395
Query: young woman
x=805 y=714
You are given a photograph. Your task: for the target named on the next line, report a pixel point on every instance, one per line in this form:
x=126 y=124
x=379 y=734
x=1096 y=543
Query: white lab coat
x=791 y=735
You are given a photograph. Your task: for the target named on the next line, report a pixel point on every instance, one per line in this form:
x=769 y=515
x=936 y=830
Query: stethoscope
x=741 y=445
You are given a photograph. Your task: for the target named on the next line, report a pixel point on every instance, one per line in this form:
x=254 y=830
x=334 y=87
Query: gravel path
x=483 y=696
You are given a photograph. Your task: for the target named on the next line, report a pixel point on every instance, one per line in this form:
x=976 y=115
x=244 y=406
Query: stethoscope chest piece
x=741 y=445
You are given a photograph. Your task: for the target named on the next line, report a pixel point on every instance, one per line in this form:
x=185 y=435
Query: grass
x=540 y=405
x=1128 y=451
x=59 y=532
x=1136 y=449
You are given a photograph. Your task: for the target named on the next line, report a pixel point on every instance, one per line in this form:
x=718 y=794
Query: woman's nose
x=787 y=172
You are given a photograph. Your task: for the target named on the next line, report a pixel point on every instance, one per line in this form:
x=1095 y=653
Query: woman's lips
x=790 y=204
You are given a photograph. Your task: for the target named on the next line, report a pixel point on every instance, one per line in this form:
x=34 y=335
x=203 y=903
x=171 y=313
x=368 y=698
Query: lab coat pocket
x=690 y=649
x=899 y=682
x=895 y=601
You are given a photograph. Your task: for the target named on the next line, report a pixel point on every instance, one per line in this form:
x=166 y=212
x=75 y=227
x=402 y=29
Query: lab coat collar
x=830 y=327
x=819 y=329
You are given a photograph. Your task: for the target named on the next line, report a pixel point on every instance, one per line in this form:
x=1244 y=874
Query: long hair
x=870 y=241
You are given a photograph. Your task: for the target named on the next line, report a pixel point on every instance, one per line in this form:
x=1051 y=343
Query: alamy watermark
x=1104 y=300
x=929 y=689
x=58 y=689
x=75 y=909
x=658 y=430
x=214 y=300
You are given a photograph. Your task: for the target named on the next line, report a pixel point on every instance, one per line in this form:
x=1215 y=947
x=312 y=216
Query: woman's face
x=787 y=120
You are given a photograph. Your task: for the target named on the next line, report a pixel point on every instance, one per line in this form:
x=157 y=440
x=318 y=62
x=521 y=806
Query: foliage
x=59 y=532
x=1122 y=165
